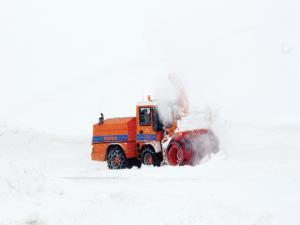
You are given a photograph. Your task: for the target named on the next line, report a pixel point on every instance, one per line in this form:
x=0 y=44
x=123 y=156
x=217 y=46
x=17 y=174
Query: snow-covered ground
x=49 y=180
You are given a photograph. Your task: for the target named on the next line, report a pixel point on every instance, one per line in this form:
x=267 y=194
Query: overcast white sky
x=63 y=62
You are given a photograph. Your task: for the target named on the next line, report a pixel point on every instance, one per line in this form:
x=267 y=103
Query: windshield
x=145 y=116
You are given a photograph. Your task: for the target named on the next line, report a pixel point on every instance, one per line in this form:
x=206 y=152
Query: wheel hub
x=117 y=160
x=148 y=159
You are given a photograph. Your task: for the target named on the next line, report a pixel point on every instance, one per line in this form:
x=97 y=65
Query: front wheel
x=150 y=158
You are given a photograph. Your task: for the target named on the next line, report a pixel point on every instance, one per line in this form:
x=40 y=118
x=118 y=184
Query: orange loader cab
x=128 y=142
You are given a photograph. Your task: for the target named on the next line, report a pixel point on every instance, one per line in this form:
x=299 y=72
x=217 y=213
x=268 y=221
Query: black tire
x=149 y=157
x=116 y=158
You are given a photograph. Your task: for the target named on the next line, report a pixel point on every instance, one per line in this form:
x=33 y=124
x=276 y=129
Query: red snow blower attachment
x=190 y=147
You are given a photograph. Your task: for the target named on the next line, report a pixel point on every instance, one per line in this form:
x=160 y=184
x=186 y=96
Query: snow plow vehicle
x=147 y=139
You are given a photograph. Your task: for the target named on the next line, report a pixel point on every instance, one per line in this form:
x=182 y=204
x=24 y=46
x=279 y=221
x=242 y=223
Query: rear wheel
x=116 y=158
x=150 y=158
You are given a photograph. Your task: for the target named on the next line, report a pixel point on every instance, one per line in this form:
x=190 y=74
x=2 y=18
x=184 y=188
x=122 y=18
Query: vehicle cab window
x=145 y=116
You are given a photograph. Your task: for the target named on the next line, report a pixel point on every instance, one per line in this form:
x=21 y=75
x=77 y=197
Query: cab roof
x=147 y=103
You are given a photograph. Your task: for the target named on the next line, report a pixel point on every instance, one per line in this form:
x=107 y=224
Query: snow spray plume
x=181 y=98
x=173 y=101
